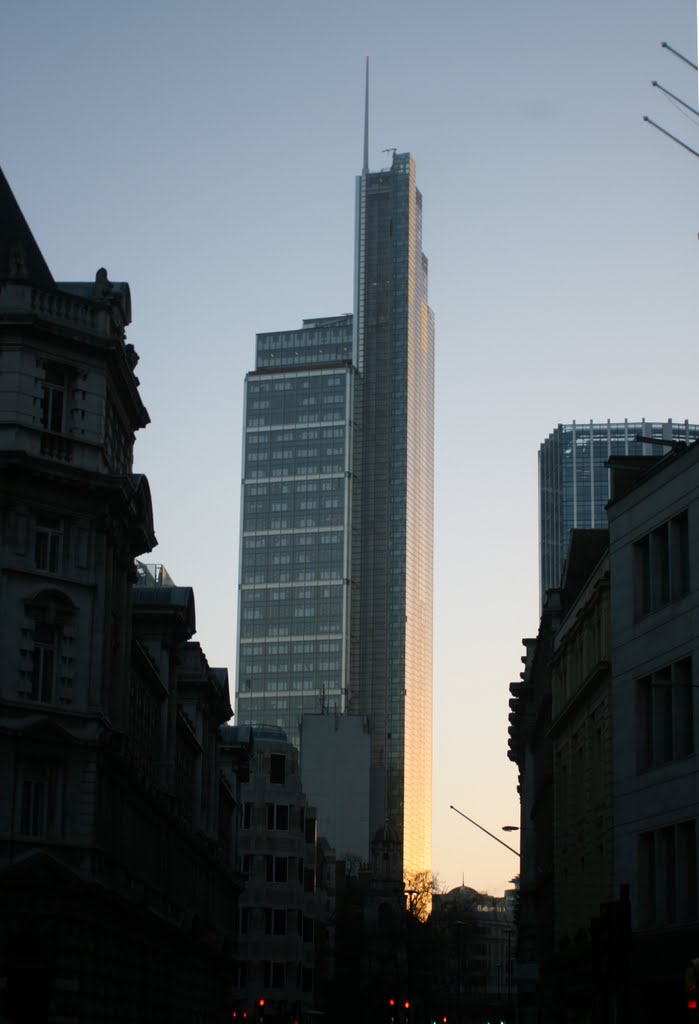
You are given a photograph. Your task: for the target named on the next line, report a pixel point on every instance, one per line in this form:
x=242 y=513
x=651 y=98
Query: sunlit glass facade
x=335 y=596
x=391 y=663
x=574 y=481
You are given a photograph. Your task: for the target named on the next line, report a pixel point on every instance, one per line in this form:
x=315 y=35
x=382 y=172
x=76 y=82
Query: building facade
x=391 y=663
x=294 y=594
x=117 y=885
x=336 y=552
x=604 y=733
x=284 y=909
x=574 y=481
x=654 y=566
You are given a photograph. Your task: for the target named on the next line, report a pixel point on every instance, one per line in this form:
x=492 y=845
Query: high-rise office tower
x=391 y=653
x=293 y=600
x=574 y=480
x=335 y=610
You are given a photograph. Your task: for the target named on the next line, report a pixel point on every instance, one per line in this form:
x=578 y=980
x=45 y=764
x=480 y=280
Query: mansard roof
x=20 y=257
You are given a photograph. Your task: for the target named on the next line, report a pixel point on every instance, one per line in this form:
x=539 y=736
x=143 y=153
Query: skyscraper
x=574 y=481
x=293 y=601
x=335 y=610
x=391 y=652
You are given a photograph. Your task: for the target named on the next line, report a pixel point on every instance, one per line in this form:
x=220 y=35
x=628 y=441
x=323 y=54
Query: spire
x=365 y=167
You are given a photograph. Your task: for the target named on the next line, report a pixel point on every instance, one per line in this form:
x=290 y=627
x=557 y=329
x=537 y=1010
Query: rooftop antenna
x=365 y=167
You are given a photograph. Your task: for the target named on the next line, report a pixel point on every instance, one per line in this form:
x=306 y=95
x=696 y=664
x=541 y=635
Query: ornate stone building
x=117 y=889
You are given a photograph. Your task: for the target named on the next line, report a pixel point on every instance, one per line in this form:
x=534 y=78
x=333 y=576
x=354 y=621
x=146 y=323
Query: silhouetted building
x=654 y=569
x=474 y=940
x=118 y=897
x=285 y=910
x=604 y=733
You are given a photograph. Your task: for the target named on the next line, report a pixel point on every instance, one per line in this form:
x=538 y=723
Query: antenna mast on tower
x=365 y=166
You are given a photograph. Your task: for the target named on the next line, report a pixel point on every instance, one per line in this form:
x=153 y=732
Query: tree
x=419 y=887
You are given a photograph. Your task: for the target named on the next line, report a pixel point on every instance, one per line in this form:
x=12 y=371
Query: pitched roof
x=20 y=256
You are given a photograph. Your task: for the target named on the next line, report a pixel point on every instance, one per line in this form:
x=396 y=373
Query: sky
x=206 y=152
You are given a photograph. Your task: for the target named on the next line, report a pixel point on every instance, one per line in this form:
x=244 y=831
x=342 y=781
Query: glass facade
x=391 y=658
x=574 y=481
x=296 y=502
x=335 y=603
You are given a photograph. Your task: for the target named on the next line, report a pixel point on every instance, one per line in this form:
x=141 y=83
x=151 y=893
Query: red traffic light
x=261 y=1002
x=391 y=1002
x=406 y=1004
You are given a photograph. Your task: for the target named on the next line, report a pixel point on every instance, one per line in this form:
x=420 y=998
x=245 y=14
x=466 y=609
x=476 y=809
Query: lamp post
x=506 y=828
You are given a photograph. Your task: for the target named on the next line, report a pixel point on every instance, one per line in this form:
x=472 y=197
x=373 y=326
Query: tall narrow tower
x=391 y=652
x=335 y=609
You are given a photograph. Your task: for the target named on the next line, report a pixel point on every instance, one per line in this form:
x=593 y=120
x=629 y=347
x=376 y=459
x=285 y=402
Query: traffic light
x=690 y=987
x=260 y=1010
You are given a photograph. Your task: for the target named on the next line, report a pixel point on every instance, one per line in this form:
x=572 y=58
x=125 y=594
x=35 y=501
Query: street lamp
x=508 y=828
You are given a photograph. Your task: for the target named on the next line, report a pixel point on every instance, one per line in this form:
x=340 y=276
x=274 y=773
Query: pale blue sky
x=206 y=153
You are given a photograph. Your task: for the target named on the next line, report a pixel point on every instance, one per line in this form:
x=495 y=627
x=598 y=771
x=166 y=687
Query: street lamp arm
x=507 y=847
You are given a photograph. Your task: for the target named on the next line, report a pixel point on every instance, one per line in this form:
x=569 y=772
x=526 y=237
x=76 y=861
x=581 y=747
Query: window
x=48 y=543
x=661 y=565
x=273 y=974
x=665 y=715
x=277 y=769
x=39 y=798
x=246 y=815
x=278 y=816
x=276 y=868
x=48 y=663
x=668 y=875
x=53 y=400
x=45 y=662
